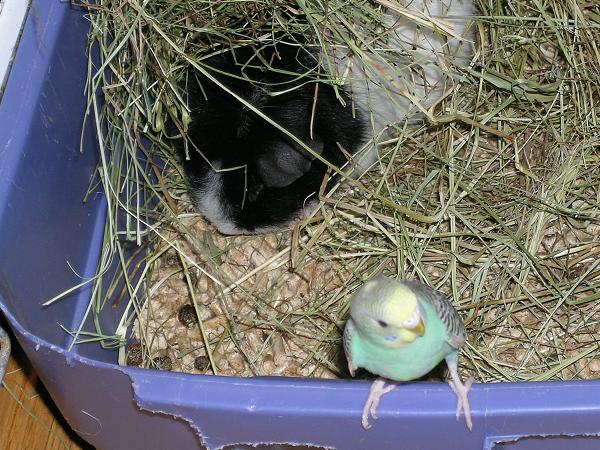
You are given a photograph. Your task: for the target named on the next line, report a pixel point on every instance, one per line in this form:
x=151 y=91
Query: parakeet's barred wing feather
x=348 y=335
x=349 y=331
x=454 y=324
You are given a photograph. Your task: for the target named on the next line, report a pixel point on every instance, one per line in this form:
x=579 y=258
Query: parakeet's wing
x=456 y=336
x=349 y=331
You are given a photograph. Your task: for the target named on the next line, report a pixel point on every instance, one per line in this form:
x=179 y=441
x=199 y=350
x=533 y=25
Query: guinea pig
x=248 y=176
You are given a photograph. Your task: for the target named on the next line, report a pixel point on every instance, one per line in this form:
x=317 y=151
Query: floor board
x=18 y=429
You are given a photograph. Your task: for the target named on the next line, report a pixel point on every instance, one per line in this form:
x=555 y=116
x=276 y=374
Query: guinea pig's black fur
x=260 y=179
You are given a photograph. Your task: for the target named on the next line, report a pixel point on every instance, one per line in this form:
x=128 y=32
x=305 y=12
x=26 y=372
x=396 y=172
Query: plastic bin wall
x=49 y=239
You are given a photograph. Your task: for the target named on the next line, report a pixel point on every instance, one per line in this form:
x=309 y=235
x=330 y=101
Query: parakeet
x=401 y=330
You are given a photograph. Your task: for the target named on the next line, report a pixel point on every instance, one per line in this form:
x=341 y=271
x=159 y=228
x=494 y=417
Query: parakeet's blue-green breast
x=401 y=329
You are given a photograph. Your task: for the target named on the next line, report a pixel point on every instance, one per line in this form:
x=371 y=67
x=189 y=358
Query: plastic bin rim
x=71 y=357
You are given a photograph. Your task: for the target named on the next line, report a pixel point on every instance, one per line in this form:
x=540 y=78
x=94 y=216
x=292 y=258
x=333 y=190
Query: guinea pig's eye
x=413 y=320
x=382 y=324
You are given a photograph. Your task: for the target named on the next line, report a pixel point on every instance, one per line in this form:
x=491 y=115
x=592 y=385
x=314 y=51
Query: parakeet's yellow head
x=388 y=311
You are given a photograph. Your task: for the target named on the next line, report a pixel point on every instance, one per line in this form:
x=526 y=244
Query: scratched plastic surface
x=45 y=227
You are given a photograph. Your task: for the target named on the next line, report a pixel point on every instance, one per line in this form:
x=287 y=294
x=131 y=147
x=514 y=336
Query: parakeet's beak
x=420 y=328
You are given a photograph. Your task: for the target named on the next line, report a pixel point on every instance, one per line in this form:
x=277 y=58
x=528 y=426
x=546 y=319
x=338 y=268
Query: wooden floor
x=36 y=424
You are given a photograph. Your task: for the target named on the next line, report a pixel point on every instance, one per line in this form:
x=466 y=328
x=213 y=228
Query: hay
x=494 y=200
x=270 y=321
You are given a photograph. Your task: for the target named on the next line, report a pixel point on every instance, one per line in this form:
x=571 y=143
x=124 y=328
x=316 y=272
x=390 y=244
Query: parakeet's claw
x=463 y=402
x=378 y=390
x=462 y=390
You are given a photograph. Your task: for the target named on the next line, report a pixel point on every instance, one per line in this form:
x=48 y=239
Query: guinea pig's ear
x=283 y=162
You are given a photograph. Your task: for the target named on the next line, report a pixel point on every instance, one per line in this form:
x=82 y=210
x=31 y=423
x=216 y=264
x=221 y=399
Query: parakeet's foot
x=378 y=390
x=462 y=390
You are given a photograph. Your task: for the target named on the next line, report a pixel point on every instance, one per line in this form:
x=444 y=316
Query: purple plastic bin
x=45 y=227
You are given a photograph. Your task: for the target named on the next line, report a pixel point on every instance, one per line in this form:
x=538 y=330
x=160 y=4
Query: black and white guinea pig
x=246 y=176
x=260 y=178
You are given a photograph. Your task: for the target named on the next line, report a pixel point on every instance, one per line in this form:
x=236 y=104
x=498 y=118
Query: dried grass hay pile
x=494 y=198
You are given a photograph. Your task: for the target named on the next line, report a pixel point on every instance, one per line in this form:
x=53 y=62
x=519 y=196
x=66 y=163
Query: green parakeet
x=401 y=330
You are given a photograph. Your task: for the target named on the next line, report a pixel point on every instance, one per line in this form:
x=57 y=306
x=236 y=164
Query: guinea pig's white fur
x=380 y=89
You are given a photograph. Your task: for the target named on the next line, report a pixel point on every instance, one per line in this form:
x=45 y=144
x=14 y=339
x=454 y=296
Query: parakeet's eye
x=382 y=324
